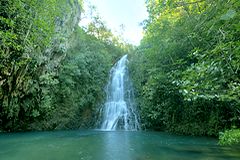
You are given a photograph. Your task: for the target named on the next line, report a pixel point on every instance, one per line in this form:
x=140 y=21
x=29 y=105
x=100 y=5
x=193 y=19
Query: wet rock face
x=65 y=26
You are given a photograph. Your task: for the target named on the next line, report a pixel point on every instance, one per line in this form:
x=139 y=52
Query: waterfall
x=119 y=111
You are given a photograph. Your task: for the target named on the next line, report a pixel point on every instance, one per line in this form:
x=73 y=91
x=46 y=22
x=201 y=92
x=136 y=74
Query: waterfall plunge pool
x=111 y=145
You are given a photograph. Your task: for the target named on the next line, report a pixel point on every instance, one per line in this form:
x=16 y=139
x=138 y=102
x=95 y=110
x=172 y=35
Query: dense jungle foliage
x=187 y=69
x=52 y=72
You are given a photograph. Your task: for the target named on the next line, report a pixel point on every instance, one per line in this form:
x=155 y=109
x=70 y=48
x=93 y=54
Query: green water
x=119 y=145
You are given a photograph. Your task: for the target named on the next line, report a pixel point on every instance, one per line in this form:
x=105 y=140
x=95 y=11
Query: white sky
x=130 y=13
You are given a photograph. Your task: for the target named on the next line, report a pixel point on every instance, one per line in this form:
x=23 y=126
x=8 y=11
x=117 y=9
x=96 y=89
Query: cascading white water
x=119 y=111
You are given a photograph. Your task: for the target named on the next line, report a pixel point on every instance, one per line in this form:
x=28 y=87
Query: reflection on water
x=118 y=145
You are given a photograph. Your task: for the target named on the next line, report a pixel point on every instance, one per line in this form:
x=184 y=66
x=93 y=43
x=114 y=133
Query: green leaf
x=35 y=113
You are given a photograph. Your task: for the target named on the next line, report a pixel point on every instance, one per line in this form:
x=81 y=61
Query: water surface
x=117 y=145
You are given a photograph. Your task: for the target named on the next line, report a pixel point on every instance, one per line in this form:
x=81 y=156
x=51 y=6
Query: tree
x=188 y=66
